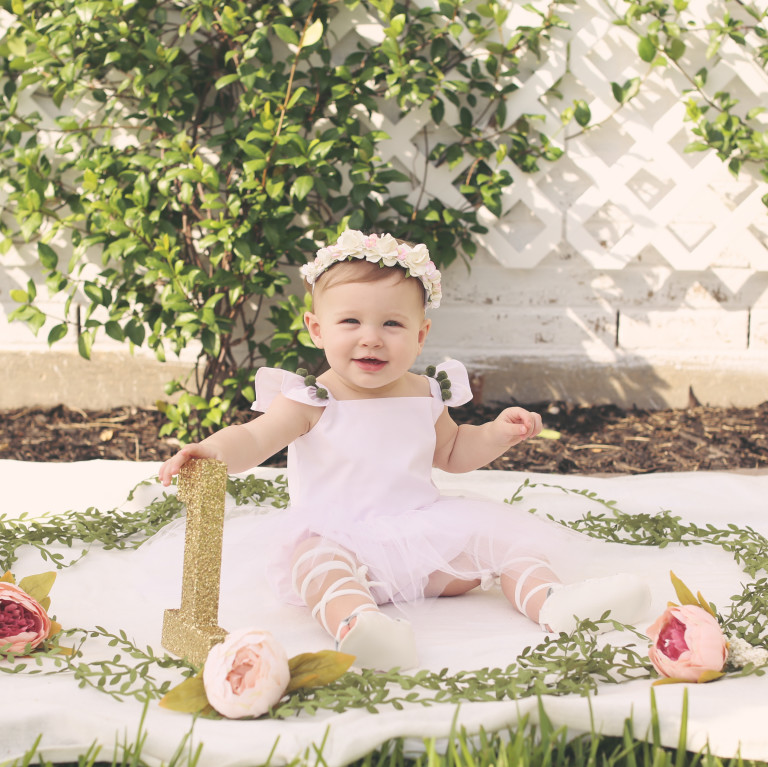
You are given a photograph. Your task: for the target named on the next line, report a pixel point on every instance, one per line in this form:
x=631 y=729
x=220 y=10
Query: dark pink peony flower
x=22 y=619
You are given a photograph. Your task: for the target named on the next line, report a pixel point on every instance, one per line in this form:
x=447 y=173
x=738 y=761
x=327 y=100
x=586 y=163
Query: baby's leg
x=526 y=582
x=441 y=584
x=331 y=582
x=537 y=592
x=532 y=586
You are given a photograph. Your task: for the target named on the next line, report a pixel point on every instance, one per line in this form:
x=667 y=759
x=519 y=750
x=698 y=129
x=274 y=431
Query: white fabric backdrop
x=123 y=590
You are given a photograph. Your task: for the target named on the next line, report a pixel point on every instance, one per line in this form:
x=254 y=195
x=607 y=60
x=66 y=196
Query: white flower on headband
x=379 y=249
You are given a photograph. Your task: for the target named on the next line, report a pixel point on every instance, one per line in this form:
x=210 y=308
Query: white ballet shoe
x=379 y=642
x=626 y=596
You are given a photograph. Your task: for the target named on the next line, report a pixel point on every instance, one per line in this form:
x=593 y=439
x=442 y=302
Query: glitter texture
x=191 y=631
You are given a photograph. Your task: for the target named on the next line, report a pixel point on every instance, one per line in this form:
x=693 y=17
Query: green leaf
x=188 y=697
x=684 y=594
x=84 y=344
x=57 y=333
x=90 y=180
x=705 y=605
x=623 y=93
x=38 y=586
x=709 y=676
x=113 y=330
x=222 y=82
x=675 y=49
x=47 y=256
x=302 y=186
x=646 y=49
x=317 y=669
x=97 y=293
x=19 y=295
x=582 y=112
x=135 y=331
x=437 y=110
x=286 y=34
x=313 y=34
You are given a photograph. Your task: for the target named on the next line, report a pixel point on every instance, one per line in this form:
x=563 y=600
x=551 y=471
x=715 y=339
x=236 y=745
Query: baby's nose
x=370 y=336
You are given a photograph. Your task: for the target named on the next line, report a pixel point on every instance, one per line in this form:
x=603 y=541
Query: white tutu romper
x=361 y=479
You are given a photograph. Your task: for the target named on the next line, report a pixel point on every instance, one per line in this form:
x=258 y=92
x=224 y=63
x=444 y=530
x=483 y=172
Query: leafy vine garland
x=557 y=666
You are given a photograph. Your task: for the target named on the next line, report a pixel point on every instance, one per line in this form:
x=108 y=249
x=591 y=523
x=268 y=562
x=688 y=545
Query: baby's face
x=371 y=332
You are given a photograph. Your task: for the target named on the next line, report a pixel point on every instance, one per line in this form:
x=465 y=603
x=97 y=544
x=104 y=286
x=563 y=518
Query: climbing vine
x=668 y=34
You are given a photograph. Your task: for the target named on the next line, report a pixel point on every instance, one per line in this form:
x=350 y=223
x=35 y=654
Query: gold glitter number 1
x=191 y=631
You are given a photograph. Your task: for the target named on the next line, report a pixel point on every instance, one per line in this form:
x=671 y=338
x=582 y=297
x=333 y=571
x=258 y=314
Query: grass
x=524 y=745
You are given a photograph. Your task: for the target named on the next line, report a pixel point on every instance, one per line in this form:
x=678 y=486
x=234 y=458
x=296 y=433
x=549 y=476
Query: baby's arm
x=245 y=446
x=466 y=447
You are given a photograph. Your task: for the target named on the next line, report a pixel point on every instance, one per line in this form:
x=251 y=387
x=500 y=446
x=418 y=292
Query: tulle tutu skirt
x=465 y=538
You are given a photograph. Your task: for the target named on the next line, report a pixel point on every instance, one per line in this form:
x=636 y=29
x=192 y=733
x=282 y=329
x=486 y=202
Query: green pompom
x=445 y=383
x=310 y=380
x=442 y=375
x=446 y=394
x=322 y=393
x=431 y=369
x=301 y=371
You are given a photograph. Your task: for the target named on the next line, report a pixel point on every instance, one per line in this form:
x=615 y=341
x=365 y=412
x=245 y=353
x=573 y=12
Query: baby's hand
x=173 y=465
x=515 y=424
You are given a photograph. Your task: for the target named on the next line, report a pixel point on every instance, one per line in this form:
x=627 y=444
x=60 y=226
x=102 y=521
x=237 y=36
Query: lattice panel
x=623 y=185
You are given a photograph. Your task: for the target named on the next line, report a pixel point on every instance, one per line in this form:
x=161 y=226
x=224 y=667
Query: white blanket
x=474 y=631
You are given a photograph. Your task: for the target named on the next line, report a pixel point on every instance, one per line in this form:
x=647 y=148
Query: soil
x=602 y=439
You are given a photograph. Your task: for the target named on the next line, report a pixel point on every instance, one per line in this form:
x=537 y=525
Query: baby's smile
x=370 y=363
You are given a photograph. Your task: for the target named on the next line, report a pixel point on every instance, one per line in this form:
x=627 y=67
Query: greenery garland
x=567 y=664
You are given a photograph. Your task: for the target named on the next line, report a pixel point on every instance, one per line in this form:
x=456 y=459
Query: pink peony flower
x=23 y=620
x=686 y=642
x=246 y=674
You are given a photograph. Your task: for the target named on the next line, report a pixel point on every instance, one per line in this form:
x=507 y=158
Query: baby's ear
x=313 y=326
x=424 y=332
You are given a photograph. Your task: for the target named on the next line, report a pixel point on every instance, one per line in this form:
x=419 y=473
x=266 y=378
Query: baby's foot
x=626 y=596
x=378 y=641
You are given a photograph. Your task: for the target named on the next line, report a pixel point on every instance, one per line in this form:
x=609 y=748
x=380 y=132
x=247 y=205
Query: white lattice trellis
x=638 y=187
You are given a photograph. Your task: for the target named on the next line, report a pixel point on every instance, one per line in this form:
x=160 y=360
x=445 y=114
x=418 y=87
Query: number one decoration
x=191 y=631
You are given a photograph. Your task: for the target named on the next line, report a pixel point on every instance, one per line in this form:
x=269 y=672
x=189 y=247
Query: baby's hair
x=357 y=270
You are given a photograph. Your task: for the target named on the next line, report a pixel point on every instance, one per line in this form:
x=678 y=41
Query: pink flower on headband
x=384 y=250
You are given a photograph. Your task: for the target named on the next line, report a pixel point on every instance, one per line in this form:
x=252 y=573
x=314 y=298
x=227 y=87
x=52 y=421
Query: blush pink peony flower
x=246 y=674
x=23 y=620
x=686 y=642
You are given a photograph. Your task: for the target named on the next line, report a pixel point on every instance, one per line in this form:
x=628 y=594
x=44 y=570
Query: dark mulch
x=598 y=439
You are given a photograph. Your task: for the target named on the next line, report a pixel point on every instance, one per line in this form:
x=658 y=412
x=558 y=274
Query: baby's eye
x=393 y=324
x=349 y=320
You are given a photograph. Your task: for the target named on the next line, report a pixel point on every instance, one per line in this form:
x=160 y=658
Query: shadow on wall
x=629 y=382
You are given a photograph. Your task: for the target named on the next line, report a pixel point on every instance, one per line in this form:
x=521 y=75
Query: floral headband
x=382 y=249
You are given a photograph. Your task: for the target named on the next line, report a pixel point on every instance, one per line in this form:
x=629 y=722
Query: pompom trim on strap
x=458 y=388
x=270 y=382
